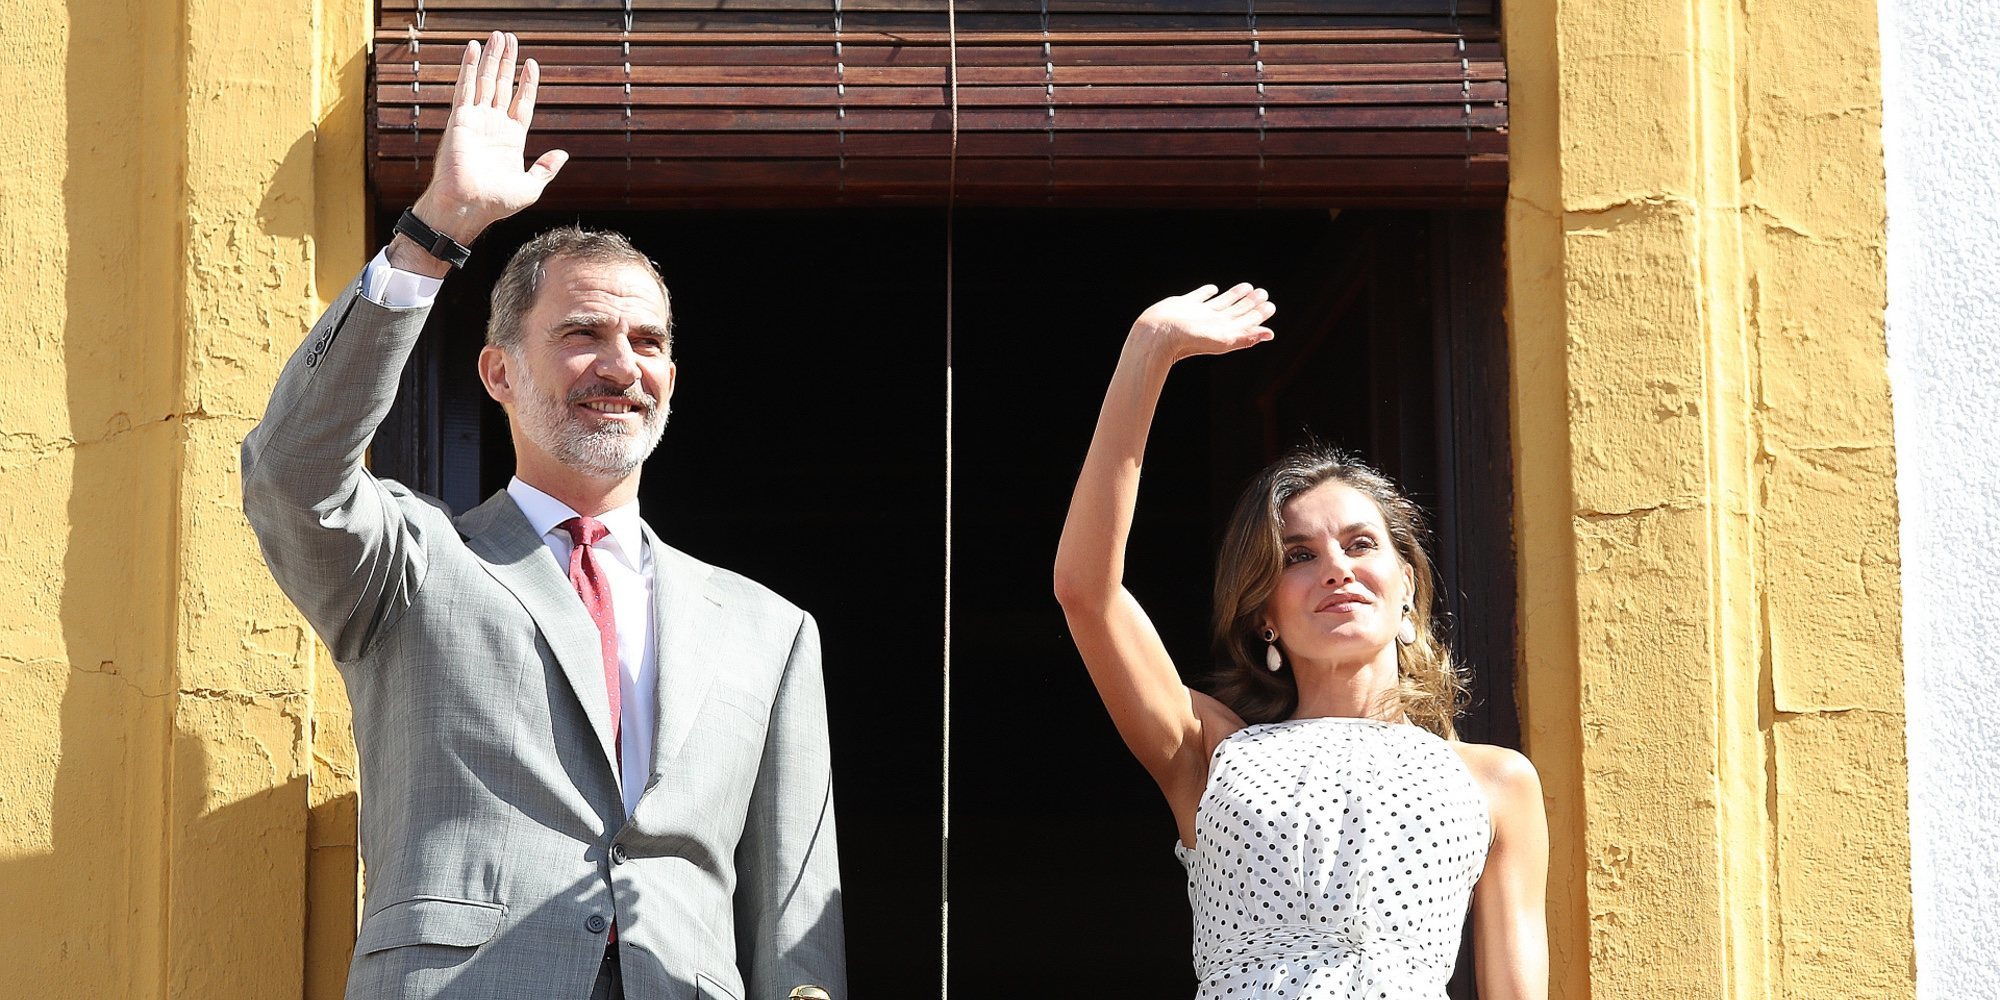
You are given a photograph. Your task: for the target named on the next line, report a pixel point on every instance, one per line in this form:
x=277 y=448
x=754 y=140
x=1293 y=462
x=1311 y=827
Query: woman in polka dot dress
x=1333 y=829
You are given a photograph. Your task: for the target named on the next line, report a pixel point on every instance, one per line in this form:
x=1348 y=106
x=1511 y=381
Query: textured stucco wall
x=1712 y=679
x=1943 y=150
x=91 y=422
x=172 y=773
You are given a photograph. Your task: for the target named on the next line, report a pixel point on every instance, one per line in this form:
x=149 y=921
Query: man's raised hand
x=478 y=179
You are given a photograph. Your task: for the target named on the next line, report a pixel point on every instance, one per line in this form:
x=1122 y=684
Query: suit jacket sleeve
x=338 y=541
x=788 y=920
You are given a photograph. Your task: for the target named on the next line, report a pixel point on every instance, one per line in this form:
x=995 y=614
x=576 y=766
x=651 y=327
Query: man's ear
x=494 y=375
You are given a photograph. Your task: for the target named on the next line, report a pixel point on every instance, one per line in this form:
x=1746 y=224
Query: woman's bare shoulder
x=1506 y=774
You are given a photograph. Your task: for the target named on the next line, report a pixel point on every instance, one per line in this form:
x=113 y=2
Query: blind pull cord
x=1049 y=94
x=625 y=55
x=1257 y=63
x=840 y=95
x=950 y=238
x=417 y=91
x=1465 y=97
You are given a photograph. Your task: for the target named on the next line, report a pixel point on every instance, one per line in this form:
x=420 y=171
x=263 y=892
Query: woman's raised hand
x=1206 y=321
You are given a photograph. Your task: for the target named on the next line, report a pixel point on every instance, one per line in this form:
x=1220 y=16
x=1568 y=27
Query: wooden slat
x=1061 y=98
x=864 y=145
x=828 y=71
x=1220 y=183
x=498 y=11
x=533 y=41
x=1186 y=173
x=610 y=19
x=432 y=118
x=399 y=60
x=1165 y=11
x=760 y=102
x=404 y=144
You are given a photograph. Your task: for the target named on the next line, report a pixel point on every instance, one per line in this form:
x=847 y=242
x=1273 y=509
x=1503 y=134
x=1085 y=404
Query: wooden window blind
x=737 y=103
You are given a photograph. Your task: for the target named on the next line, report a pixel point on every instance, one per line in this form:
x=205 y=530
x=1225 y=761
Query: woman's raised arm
x=1161 y=720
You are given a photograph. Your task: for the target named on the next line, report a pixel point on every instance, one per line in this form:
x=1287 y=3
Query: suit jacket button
x=618 y=855
x=595 y=924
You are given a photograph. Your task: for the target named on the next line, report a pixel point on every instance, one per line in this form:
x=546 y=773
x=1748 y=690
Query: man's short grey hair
x=514 y=294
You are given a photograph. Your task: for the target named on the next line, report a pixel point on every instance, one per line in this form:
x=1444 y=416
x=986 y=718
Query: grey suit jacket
x=495 y=842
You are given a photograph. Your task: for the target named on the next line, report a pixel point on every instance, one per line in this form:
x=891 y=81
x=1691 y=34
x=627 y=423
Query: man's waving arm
x=333 y=536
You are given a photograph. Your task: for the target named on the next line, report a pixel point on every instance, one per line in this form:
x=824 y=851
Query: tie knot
x=585 y=530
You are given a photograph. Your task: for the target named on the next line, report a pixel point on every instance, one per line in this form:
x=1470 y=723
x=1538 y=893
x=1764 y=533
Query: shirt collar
x=545 y=512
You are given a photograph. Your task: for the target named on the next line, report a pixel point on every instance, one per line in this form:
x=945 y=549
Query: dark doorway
x=1063 y=882
x=807 y=451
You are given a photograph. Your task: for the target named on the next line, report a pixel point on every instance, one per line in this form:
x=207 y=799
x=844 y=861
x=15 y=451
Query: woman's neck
x=1363 y=690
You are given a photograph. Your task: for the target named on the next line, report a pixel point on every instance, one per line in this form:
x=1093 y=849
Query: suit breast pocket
x=461 y=923
x=708 y=989
x=745 y=704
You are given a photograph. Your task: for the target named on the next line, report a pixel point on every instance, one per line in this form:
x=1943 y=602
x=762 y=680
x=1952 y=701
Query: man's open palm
x=478 y=178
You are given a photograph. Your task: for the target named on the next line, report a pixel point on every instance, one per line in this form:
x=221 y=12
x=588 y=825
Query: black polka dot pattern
x=1333 y=860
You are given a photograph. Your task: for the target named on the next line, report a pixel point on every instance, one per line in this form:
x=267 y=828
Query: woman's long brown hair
x=1430 y=690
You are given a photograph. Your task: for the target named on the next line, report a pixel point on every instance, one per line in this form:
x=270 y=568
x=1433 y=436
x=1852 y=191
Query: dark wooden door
x=1062 y=876
x=807 y=450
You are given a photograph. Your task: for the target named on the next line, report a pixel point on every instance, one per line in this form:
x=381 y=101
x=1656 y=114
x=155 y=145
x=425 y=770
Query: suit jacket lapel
x=503 y=539
x=684 y=620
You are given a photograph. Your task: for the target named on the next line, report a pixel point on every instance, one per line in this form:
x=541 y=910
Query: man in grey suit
x=591 y=766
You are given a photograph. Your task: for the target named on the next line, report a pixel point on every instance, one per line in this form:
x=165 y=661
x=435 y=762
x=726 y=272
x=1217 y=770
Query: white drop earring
x=1406 y=630
x=1273 y=660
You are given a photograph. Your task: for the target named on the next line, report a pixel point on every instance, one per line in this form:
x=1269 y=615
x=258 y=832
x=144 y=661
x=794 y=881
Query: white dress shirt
x=628 y=565
x=385 y=285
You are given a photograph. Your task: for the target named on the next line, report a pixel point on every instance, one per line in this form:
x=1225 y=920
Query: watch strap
x=433 y=242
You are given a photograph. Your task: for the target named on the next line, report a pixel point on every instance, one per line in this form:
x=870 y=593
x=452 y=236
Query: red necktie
x=587 y=576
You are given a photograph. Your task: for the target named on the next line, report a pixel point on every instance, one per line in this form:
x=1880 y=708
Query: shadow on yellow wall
x=163 y=836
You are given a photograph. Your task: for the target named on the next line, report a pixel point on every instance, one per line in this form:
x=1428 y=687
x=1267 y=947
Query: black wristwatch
x=433 y=242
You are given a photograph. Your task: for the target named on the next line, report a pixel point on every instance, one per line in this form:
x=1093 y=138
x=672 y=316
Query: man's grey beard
x=605 y=452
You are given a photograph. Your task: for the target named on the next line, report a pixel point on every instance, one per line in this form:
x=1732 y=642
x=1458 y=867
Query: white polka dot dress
x=1333 y=860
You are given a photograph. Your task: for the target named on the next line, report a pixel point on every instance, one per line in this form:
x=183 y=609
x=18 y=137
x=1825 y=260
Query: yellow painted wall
x=1711 y=673
x=1710 y=623
x=173 y=214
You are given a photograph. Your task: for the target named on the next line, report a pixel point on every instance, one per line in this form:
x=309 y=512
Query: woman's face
x=1341 y=592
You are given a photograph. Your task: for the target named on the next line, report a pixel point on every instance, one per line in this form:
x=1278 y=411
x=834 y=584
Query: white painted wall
x=1941 y=79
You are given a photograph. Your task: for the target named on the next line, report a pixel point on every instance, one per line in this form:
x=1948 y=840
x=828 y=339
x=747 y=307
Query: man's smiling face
x=589 y=382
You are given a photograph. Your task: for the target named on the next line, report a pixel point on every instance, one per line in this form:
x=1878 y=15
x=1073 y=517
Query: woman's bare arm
x=1510 y=934
x=1160 y=719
